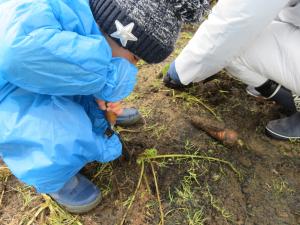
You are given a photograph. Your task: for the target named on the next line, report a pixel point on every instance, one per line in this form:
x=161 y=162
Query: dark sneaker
x=79 y=195
x=129 y=117
x=286 y=128
x=279 y=94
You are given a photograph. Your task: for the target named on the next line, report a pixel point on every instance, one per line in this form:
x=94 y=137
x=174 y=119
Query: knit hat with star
x=147 y=28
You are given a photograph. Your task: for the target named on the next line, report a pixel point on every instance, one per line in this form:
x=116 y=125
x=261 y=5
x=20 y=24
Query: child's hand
x=115 y=107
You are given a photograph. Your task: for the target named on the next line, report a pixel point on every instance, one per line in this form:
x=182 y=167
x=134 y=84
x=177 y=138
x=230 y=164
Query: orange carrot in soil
x=216 y=130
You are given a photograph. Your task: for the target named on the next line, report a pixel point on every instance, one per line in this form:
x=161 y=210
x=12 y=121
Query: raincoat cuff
x=120 y=82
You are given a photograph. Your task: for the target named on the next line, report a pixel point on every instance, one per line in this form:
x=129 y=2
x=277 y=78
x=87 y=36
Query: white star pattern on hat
x=124 y=33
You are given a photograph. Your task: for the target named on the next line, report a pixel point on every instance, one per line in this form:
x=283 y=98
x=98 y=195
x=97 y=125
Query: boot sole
x=132 y=122
x=277 y=136
x=84 y=208
x=254 y=94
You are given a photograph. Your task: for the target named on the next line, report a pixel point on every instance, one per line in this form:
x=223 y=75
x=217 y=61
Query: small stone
x=245 y=162
x=216 y=177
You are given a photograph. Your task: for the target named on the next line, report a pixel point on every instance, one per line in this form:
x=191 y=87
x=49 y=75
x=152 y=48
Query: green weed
x=157 y=130
x=26 y=194
x=279 y=187
x=55 y=214
x=146 y=111
x=196 y=217
x=216 y=204
x=4 y=173
x=132 y=97
x=190 y=101
x=103 y=178
x=165 y=69
x=140 y=64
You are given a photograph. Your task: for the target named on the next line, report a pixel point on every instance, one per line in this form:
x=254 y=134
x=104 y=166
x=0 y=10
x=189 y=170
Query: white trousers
x=275 y=55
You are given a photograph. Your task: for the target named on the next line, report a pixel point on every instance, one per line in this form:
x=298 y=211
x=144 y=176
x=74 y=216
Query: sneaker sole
x=85 y=208
x=277 y=136
x=253 y=94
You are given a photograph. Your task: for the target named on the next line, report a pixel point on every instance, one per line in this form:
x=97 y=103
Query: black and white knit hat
x=147 y=28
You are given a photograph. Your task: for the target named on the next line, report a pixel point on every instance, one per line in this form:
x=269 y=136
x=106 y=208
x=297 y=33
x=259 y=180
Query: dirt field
x=178 y=174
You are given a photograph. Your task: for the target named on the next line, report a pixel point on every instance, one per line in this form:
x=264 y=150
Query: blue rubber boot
x=79 y=195
x=129 y=117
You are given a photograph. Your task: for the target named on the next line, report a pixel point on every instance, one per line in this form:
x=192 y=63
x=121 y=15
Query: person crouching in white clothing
x=256 y=41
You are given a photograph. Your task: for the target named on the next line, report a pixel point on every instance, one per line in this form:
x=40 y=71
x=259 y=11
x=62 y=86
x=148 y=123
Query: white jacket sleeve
x=291 y=13
x=229 y=29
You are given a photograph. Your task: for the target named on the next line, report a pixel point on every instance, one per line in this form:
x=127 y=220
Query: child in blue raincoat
x=60 y=60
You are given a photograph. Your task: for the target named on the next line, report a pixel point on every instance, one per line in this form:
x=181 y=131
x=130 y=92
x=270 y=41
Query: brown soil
x=268 y=191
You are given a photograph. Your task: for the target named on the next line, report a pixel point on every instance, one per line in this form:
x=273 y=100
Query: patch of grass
x=216 y=204
x=294 y=142
x=190 y=183
x=145 y=111
x=26 y=194
x=171 y=197
x=4 y=173
x=196 y=217
x=186 y=35
x=165 y=69
x=184 y=197
x=128 y=201
x=190 y=101
x=132 y=97
x=216 y=177
x=185 y=193
x=151 y=210
x=157 y=130
x=155 y=85
x=161 y=210
x=260 y=129
x=55 y=214
x=141 y=63
x=103 y=178
x=279 y=188
x=131 y=199
x=189 y=147
x=151 y=154
x=294 y=146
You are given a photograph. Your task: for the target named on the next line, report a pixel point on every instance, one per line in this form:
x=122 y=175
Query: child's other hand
x=115 y=107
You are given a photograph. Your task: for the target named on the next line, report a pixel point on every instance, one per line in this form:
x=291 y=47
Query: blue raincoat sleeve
x=48 y=48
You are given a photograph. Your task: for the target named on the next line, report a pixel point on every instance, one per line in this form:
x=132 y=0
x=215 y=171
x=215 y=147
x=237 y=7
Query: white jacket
x=228 y=31
x=291 y=13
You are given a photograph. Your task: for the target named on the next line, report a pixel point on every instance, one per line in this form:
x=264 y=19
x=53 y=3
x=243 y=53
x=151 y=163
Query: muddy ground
x=257 y=183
